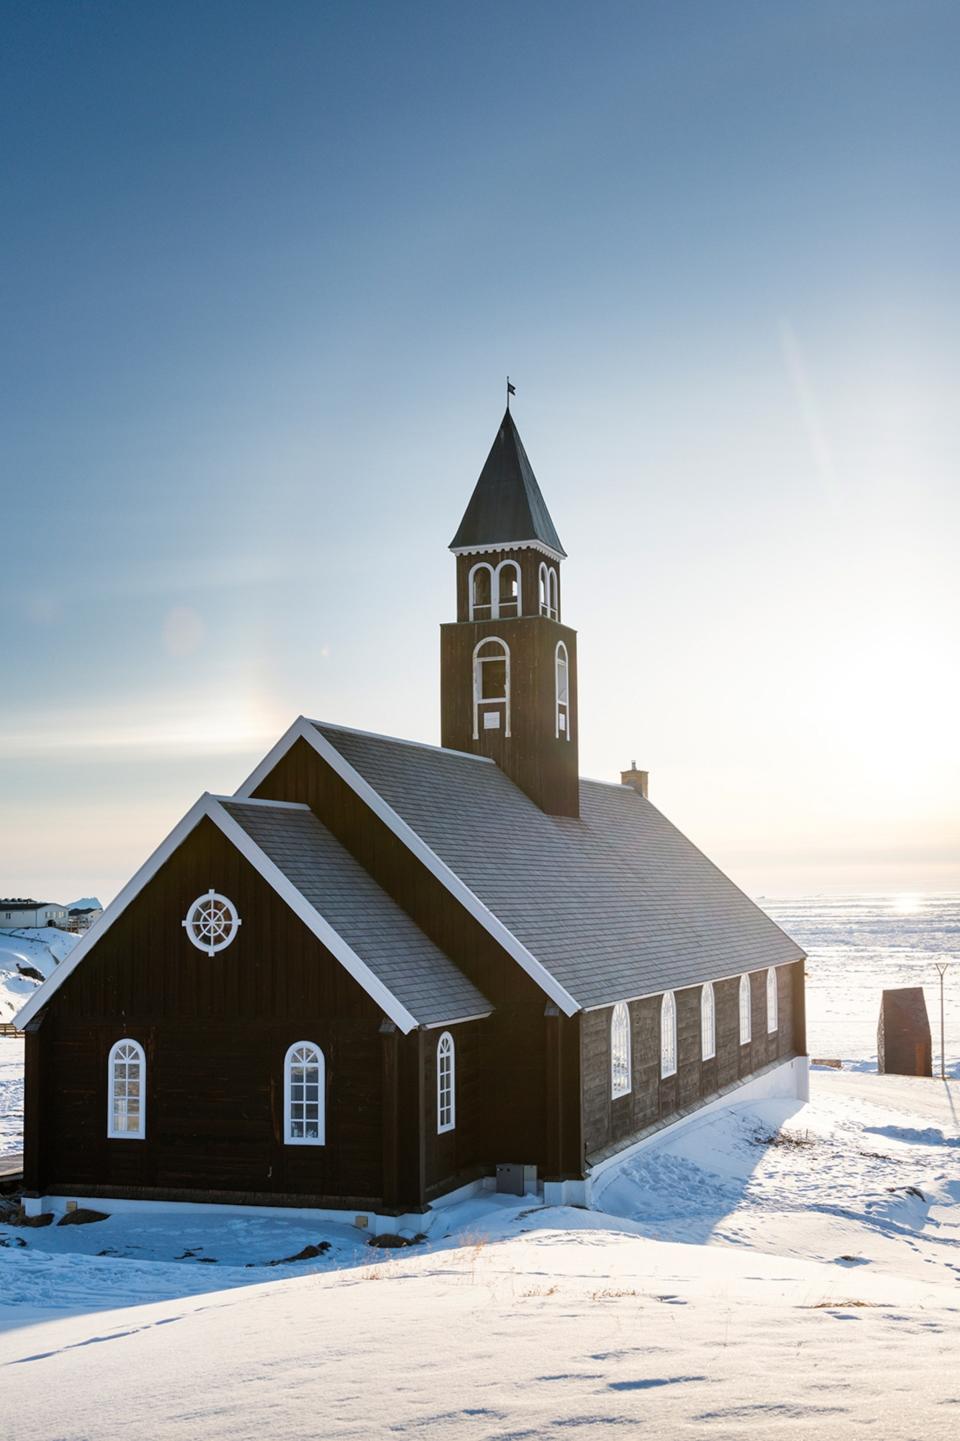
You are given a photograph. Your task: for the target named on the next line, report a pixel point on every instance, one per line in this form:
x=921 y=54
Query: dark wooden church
x=384 y=971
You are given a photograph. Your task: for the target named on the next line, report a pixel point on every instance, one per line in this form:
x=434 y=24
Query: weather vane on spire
x=511 y=390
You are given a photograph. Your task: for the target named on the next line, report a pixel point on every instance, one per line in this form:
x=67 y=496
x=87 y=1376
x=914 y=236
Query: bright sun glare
x=907 y=905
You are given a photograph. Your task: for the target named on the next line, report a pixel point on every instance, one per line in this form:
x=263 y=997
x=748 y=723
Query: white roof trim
x=501 y=545
x=303 y=729
x=211 y=807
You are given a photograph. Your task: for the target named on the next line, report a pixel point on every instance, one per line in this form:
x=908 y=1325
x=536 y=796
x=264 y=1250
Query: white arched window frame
x=304 y=1095
x=508 y=599
x=126 y=1091
x=668 y=1035
x=480 y=591
x=549 y=591
x=746 y=1029
x=773 y=1013
x=491 y=685
x=708 y=1023
x=562 y=672
x=621 y=1077
x=446 y=1083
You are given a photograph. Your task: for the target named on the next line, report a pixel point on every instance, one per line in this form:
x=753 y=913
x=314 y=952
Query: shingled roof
x=423 y=979
x=614 y=904
x=506 y=507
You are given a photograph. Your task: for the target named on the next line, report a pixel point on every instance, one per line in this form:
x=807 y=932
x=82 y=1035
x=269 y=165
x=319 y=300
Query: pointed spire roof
x=506 y=507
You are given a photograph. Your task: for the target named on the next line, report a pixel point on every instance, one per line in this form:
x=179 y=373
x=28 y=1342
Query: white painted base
x=565 y=1193
x=789 y=1081
x=375 y=1224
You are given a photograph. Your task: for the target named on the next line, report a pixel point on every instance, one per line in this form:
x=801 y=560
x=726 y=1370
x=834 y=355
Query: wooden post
x=553 y=1092
x=390 y=1112
x=32 y=1120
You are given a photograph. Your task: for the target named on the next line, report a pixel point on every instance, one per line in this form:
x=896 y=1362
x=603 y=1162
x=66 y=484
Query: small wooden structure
x=903 y=1033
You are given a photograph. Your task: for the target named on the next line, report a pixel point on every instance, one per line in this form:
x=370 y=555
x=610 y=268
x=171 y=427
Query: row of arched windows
x=496 y=591
x=491 y=687
x=304 y=1091
x=621 y=1059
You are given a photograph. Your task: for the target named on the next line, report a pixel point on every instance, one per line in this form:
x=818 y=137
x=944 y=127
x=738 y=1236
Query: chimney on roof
x=640 y=780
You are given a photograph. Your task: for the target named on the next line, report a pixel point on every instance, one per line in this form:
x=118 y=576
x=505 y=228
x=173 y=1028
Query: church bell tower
x=508 y=665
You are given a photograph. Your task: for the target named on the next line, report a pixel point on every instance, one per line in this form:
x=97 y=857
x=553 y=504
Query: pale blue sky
x=264 y=268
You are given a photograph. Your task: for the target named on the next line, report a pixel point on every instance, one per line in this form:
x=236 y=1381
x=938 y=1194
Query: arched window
x=491 y=686
x=563 y=691
x=509 y=602
x=620 y=1069
x=745 y=1027
x=773 y=1015
x=126 y=1091
x=668 y=1035
x=304 y=1095
x=549 y=591
x=446 y=1083
x=708 y=1023
x=480 y=587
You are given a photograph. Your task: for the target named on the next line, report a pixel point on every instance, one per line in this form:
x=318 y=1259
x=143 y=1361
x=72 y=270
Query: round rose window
x=211 y=922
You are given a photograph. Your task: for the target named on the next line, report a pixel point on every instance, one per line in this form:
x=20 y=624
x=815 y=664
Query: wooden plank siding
x=513 y=1123
x=215 y=1030
x=610 y=1122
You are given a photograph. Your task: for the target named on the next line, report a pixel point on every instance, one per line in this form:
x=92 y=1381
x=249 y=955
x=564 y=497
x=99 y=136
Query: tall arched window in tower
x=508 y=590
x=549 y=591
x=563 y=692
x=621 y=1080
x=480 y=587
x=491 y=686
x=746 y=1028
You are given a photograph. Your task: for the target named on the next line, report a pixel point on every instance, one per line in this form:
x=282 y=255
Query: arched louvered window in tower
x=745 y=1019
x=480 y=589
x=621 y=1080
x=491 y=686
x=563 y=692
x=509 y=601
x=668 y=1035
x=773 y=1014
x=126 y=1091
x=446 y=1083
x=304 y=1095
x=549 y=591
x=708 y=1023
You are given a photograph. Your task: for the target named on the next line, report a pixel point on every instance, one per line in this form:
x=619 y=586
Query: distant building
x=81 y=918
x=19 y=911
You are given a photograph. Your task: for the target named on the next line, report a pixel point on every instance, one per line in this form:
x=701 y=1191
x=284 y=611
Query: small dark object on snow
x=31 y=972
x=309 y=1253
x=207 y=1260
x=908 y=1191
x=83 y=1216
x=392 y=1242
x=829 y=1062
x=903 y=1034
x=24 y=1220
x=791 y=1139
x=14 y=1241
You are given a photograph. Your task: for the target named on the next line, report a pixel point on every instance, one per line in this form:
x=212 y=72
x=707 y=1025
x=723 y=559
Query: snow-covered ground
x=24 y=955
x=770 y=1274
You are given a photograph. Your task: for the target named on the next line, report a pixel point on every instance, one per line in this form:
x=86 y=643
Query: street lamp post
x=942 y=968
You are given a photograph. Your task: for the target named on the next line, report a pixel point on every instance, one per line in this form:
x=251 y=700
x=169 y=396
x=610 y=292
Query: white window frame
x=668 y=1035
x=549 y=591
x=446 y=1084
x=486 y=704
x=746 y=1011
x=289 y=1139
x=138 y=1062
x=510 y=607
x=773 y=1001
x=621 y=1068
x=708 y=1022
x=476 y=610
x=561 y=668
